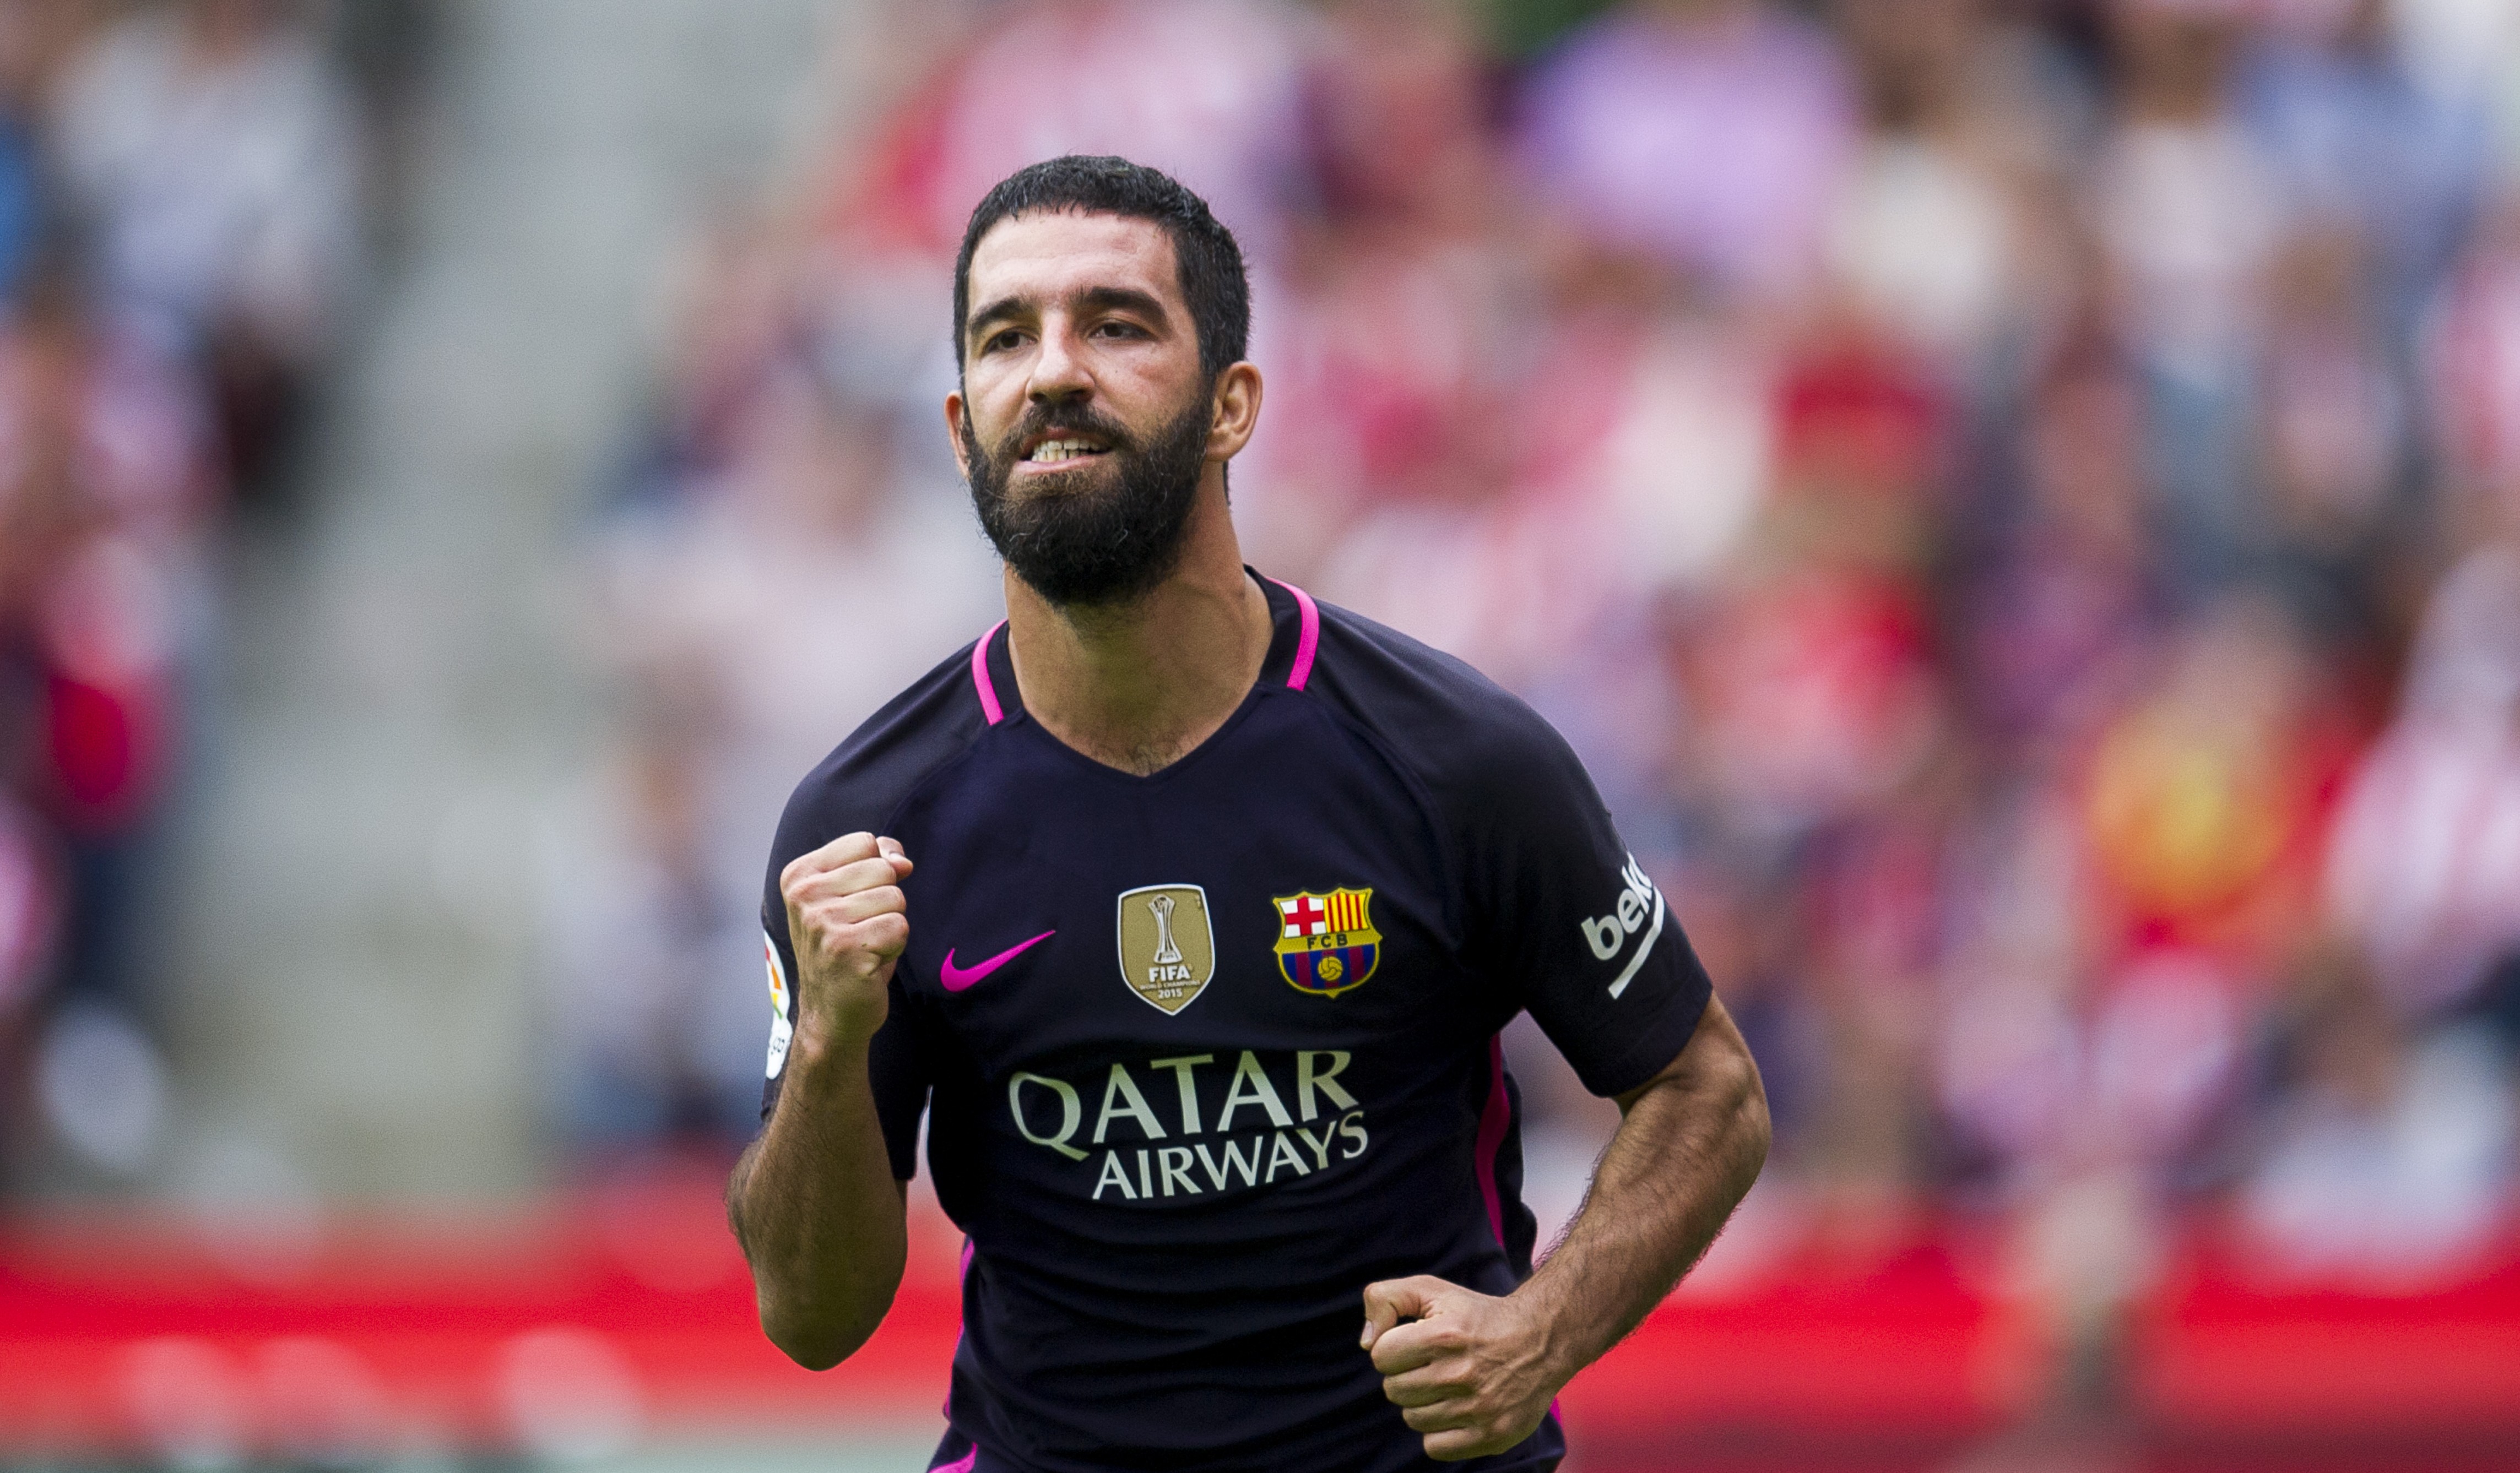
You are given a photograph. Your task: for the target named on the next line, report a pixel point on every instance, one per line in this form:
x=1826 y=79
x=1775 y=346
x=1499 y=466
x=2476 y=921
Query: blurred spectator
x=2472 y=358
x=2334 y=441
x=2393 y=1157
x=102 y=502
x=2425 y=869
x=1711 y=132
x=2062 y=596
x=2466 y=53
x=1212 y=99
x=161 y=316
x=2352 y=140
x=33 y=35
x=2205 y=797
x=214 y=154
x=657 y=1031
x=1816 y=698
x=1390 y=350
x=2189 y=212
x=1930 y=235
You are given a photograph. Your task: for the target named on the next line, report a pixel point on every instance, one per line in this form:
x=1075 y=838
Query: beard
x=1078 y=544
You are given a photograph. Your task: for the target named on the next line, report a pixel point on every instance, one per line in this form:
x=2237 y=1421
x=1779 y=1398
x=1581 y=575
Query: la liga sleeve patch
x=781 y=1026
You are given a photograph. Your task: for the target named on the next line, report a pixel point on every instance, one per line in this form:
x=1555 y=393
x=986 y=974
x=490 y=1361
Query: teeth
x=1051 y=452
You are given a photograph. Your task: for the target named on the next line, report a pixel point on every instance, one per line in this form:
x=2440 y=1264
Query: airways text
x=1306 y=1125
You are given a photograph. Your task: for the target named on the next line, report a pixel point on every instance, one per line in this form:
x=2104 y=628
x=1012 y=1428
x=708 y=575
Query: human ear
x=1237 y=413
x=954 y=431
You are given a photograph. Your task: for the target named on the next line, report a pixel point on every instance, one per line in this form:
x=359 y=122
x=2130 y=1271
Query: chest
x=1282 y=891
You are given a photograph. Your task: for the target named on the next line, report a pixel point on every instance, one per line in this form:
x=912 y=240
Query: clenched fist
x=1471 y=1371
x=848 y=922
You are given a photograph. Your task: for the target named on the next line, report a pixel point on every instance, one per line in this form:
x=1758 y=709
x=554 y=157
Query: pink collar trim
x=980 y=681
x=1308 y=639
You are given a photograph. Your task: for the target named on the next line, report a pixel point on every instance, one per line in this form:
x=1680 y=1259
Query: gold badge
x=1167 y=952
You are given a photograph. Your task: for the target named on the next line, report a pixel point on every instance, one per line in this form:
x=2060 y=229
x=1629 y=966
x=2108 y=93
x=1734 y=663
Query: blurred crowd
x=179 y=232
x=2017 y=502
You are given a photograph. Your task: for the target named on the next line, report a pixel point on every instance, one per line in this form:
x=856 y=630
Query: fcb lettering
x=1326 y=943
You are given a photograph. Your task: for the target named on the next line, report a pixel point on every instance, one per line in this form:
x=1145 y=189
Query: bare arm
x=814 y=1200
x=1476 y=1372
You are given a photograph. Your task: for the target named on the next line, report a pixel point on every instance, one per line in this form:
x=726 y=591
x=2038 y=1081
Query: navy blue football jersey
x=1204 y=1052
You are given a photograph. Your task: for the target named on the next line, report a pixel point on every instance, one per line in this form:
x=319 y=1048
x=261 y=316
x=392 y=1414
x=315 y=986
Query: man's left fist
x=1469 y=1370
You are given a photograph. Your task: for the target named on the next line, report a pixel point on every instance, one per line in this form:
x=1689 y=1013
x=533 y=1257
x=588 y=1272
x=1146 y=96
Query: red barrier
x=2232 y=1347
x=602 y=1319
x=589 y=1322
x=1891 y=1342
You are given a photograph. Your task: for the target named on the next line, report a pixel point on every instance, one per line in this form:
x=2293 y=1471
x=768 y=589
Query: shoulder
x=1458 y=732
x=868 y=777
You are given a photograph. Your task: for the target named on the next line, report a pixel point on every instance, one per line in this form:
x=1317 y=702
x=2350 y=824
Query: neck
x=1138 y=685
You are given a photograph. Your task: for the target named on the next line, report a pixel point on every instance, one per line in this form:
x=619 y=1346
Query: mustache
x=1046 y=419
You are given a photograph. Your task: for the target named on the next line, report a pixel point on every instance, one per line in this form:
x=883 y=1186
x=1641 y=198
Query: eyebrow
x=1090 y=300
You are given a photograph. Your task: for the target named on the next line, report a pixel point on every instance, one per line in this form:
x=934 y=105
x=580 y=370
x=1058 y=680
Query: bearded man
x=1188 y=911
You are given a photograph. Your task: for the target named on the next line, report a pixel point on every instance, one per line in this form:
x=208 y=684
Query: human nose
x=1059 y=367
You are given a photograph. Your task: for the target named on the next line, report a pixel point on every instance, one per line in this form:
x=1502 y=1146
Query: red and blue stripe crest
x=1326 y=943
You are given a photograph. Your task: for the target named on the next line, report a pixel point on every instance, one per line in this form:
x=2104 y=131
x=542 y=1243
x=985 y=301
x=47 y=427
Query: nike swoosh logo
x=957 y=978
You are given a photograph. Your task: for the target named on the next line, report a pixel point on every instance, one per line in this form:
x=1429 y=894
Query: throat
x=1147 y=760
x=1139 y=690
x=1142 y=717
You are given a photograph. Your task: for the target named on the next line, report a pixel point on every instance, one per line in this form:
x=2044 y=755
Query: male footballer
x=1188 y=911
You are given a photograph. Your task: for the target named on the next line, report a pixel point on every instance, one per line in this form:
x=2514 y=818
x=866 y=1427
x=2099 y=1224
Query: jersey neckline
x=1294 y=639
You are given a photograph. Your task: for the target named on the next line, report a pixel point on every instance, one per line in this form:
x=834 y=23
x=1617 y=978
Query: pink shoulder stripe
x=980 y=681
x=1308 y=640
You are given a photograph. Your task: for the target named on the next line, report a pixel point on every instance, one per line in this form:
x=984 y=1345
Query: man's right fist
x=849 y=921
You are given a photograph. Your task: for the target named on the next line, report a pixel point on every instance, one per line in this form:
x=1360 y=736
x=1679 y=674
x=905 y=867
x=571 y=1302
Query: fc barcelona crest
x=1327 y=944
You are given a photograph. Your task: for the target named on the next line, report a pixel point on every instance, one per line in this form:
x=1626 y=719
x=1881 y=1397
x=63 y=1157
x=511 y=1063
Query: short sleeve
x=1568 y=922
x=863 y=786
x=895 y=1069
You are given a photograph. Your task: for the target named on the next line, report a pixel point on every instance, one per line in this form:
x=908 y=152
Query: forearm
x=1690 y=1144
x=818 y=1210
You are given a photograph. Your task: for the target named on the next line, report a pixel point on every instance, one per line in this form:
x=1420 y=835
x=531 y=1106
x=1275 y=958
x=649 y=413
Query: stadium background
x=2016 y=501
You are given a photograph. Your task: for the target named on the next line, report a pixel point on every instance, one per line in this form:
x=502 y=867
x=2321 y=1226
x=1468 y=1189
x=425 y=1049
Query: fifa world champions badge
x=1326 y=943
x=1167 y=949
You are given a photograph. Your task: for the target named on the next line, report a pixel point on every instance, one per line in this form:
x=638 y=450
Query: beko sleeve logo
x=1640 y=907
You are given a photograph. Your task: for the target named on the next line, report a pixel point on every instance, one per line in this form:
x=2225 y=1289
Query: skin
x=1475 y=1373
x=814 y=1201
x=1086 y=309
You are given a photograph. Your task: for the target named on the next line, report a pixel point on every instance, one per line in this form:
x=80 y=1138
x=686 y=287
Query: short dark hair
x=1213 y=280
